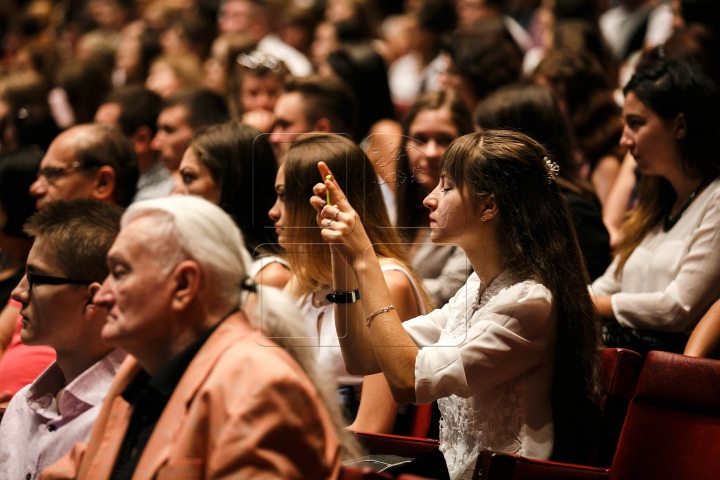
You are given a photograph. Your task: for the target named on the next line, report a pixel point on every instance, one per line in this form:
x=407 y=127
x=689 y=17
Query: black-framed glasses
x=52 y=174
x=35 y=279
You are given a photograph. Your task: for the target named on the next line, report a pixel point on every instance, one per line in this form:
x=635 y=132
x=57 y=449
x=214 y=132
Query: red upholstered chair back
x=422 y=421
x=619 y=376
x=672 y=429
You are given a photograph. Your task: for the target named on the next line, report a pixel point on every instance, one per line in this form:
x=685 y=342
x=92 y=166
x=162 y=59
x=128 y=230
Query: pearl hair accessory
x=552 y=169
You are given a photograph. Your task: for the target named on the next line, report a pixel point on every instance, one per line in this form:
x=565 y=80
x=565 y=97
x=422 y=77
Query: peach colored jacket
x=243 y=409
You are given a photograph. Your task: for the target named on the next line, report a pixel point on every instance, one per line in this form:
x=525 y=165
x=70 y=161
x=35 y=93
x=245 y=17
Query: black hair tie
x=248 y=284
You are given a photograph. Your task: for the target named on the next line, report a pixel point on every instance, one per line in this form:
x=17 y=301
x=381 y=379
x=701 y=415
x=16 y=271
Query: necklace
x=671 y=220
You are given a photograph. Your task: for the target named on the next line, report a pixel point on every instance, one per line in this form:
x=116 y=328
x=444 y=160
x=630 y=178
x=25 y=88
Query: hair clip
x=257 y=58
x=552 y=169
x=248 y=284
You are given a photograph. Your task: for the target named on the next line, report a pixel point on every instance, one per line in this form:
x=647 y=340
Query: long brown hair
x=410 y=209
x=538 y=242
x=242 y=164
x=310 y=256
x=668 y=89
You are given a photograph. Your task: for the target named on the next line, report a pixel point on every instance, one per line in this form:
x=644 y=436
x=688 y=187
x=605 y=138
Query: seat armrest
x=388 y=444
x=507 y=466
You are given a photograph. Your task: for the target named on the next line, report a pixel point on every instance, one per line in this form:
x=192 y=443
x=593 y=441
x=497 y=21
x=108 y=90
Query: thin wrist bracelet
x=343 y=297
x=375 y=314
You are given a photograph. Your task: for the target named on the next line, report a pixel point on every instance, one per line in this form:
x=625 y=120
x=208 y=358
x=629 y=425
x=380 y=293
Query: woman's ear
x=488 y=208
x=680 y=126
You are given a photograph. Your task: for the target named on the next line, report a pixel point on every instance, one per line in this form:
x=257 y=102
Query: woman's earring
x=482 y=217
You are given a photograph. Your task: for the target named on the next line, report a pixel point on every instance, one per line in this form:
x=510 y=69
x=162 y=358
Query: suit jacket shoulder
x=243 y=408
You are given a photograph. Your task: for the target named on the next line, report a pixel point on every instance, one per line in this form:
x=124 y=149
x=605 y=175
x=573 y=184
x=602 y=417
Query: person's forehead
x=633 y=106
x=236 y=7
x=190 y=159
x=61 y=152
x=436 y=119
x=43 y=257
x=291 y=106
x=176 y=115
x=134 y=243
x=250 y=79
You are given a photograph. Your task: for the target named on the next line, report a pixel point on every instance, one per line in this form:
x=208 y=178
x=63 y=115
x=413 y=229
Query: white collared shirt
x=35 y=434
x=671 y=278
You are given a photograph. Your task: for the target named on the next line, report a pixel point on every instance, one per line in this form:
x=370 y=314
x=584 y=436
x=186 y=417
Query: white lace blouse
x=488 y=361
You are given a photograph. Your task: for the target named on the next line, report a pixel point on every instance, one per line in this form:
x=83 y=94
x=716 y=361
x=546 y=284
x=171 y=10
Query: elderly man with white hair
x=202 y=394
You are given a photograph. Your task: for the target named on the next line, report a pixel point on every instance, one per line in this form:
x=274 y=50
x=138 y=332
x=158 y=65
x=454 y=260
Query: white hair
x=207 y=235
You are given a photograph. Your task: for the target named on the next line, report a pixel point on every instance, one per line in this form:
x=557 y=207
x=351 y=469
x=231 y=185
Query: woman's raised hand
x=341 y=227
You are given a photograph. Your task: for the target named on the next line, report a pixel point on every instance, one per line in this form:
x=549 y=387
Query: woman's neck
x=485 y=258
x=684 y=187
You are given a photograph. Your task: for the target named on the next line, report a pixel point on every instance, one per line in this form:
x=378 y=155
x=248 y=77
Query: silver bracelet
x=375 y=314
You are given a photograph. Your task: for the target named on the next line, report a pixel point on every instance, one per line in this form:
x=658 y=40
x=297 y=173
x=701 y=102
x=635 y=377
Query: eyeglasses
x=257 y=58
x=35 y=279
x=52 y=174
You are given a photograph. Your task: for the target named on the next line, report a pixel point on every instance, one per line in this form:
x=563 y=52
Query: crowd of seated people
x=234 y=232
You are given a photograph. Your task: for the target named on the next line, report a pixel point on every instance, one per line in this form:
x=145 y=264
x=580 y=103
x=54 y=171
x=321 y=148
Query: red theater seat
x=672 y=430
x=387 y=444
x=620 y=372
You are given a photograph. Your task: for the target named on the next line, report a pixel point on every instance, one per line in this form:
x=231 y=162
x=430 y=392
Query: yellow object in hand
x=328 y=198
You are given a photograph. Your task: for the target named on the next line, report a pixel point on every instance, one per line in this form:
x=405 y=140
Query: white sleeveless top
x=321 y=325
x=263 y=261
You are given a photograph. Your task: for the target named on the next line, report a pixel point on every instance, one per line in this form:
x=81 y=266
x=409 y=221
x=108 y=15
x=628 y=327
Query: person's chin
x=172 y=164
x=436 y=235
x=28 y=336
x=110 y=334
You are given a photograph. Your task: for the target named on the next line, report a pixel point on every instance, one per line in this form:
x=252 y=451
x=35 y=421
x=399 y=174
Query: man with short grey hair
x=201 y=393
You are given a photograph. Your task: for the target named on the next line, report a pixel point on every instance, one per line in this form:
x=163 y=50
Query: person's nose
x=274 y=212
x=156 y=143
x=267 y=102
x=179 y=187
x=21 y=292
x=433 y=150
x=626 y=140
x=104 y=297
x=39 y=187
x=276 y=135
x=431 y=201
